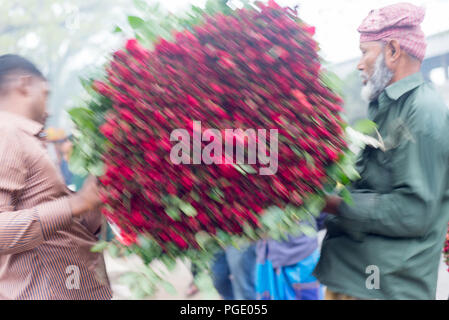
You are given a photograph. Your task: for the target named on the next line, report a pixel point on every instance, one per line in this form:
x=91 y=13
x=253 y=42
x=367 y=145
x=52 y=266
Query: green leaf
x=349 y=170
x=136 y=22
x=272 y=217
x=138 y=292
x=315 y=204
x=308 y=230
x=344 y=179
x=129 y=278
x=99 y=246
x=87 y=85
x=216 y=194
x=248 y=169
x=168 y=287
x=249 y=231
x=188 y=209
x=195 y=196
x=346 y=195
x=78 y=162
x=309 y=159
x=213 y=7
x=171 y=201
x=237 y=167
x=333 y=82
x=148 y=249
x=114 y=251
x=223 y=237
x=295 y=230
x=117 y=29
x=169 y=262
x=291 y=211
x=296 y=151
x=81 y=113
x=141 y=5
x=83 y=118
x=149 y=273
x=144 y=242
x=173 y=213
x=97 y=169
x=148 y=287
x=202 y=238
x=365 y=126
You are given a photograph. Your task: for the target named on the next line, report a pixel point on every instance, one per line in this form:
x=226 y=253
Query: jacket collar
x=401 y=87
x=392 y=93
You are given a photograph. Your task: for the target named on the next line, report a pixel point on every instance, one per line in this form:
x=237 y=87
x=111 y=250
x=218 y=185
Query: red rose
x=107 y=130
x=127 y=239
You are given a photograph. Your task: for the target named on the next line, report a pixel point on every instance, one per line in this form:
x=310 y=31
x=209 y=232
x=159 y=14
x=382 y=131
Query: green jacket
x=398 y=219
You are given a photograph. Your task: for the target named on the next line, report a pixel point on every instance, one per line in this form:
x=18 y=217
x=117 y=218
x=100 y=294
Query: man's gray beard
x=378 y=82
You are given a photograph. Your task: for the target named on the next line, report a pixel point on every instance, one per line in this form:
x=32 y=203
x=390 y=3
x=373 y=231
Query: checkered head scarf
x=399 y=22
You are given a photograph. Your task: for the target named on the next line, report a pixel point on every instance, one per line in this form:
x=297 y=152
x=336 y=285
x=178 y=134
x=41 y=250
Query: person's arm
x=25 y=229
x=418 y=175
x=94 y=222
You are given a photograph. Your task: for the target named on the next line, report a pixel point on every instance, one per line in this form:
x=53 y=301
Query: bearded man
x=387 y=243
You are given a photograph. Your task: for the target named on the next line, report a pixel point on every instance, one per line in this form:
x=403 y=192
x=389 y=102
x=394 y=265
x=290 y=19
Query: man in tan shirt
x=46 y=231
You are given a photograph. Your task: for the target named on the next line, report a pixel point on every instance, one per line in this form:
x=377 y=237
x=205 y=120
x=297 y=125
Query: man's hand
x=87 y=199
x=332 y=204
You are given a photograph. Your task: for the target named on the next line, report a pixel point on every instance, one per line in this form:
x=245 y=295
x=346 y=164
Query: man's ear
x=393 y=52
x=24 y=83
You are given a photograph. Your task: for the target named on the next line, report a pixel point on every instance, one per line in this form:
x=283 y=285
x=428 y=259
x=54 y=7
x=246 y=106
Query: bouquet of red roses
x=229 y=131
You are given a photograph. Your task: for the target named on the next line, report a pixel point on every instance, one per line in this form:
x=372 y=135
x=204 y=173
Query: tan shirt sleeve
x=24 y=229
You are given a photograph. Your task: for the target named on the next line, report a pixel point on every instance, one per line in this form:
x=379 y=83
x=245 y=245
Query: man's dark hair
x=11 y=63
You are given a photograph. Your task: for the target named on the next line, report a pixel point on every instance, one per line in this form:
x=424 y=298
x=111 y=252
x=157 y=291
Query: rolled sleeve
x=54 y=216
